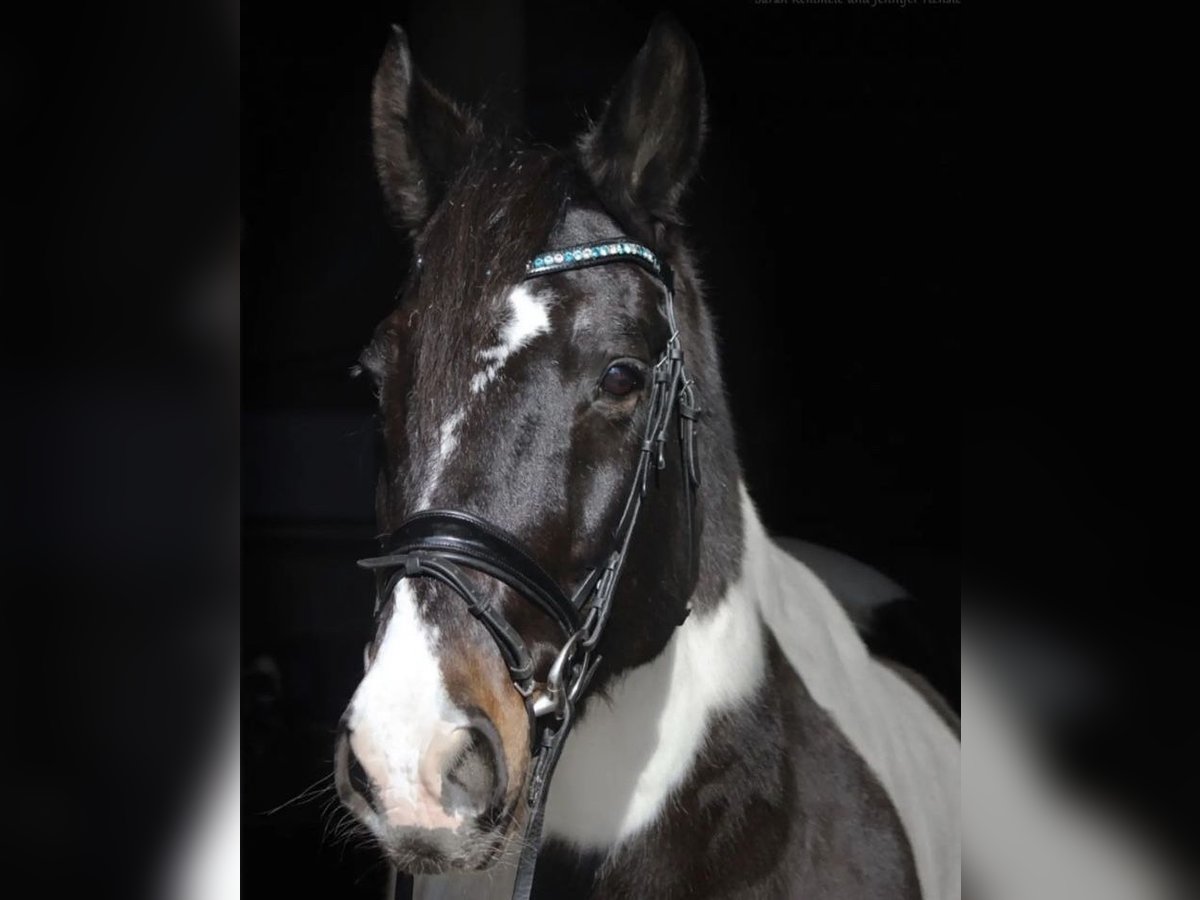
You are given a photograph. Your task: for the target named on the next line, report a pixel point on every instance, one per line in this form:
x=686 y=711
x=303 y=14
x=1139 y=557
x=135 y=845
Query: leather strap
x=547 y=761
x=464 y=538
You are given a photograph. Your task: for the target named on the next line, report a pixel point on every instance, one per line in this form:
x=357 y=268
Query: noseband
x=440 y=544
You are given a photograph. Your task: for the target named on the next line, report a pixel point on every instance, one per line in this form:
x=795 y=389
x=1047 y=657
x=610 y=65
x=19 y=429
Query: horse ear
x=643 y=151
x=421 y=138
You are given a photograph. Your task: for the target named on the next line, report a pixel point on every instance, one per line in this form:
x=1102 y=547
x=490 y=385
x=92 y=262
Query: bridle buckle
x=557 y=693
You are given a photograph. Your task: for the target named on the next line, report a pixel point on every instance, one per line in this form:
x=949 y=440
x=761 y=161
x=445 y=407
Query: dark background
x=827 y=222
x=834 y=169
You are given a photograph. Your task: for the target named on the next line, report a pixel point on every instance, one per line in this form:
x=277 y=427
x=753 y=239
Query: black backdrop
x=828 y=223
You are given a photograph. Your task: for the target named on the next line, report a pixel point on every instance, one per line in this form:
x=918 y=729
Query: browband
x=582 y=256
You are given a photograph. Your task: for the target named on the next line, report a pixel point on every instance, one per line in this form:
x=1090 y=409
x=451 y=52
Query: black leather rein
x=440 y=544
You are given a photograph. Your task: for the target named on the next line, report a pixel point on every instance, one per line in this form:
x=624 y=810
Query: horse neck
x=637 y=743
x=635 y=746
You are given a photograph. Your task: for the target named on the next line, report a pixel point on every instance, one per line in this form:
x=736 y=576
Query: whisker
x=316 y=789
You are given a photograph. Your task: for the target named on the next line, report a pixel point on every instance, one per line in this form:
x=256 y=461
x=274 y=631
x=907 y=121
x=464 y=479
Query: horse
x=594 y=673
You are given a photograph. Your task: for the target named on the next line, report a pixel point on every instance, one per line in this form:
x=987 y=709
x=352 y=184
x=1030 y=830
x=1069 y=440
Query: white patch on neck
x=910 y=749
x=401 y=708
x=625 y=758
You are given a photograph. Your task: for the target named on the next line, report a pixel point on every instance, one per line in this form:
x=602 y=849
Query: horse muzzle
x=438 y=815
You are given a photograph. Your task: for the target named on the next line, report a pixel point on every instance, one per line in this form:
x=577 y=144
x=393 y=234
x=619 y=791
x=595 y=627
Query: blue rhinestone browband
x=584 y=254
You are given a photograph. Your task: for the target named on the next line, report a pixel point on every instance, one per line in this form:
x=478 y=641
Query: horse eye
x=621 y=380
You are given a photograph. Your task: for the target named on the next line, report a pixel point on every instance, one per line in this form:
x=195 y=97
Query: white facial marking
x=447 y=444
x=448 y=435
x=401 y=717
x=528 y=316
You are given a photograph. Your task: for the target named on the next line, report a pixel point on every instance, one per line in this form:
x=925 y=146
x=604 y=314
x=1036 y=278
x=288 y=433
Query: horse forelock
x=497 y=214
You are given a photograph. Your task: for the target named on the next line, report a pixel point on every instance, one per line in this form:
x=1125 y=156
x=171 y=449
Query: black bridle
x=439 y=544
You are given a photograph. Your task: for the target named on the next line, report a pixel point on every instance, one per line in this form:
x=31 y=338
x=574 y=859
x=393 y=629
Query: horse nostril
x=353 y=786
x=358 y=777
x=350 y=768
x=475 y=778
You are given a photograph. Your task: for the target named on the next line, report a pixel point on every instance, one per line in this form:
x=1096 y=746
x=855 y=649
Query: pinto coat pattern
x=756 y=749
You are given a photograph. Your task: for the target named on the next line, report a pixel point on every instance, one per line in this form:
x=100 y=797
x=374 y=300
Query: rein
x=439 y=544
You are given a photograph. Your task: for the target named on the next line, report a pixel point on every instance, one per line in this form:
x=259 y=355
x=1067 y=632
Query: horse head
x=524 y=403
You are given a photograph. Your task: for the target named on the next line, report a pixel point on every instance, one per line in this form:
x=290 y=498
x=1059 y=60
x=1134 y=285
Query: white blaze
x=401 y=714
x=528 y=316
x=447 y=444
